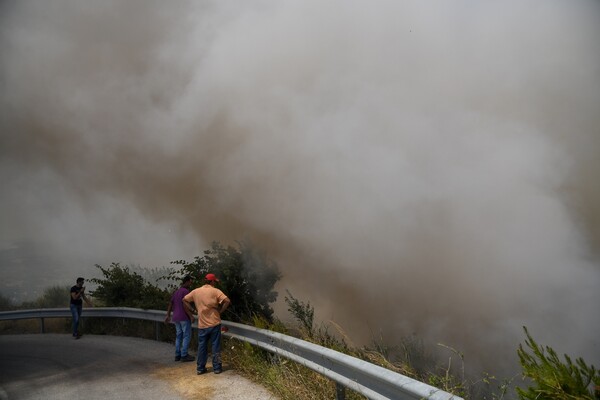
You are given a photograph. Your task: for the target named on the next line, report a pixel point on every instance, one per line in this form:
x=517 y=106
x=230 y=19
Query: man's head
x=80 y=281
x=186 y=281
x=211 y=279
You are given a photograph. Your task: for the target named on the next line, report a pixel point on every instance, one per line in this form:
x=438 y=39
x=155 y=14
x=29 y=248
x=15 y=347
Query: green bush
x=121 y=287
x=246 y=276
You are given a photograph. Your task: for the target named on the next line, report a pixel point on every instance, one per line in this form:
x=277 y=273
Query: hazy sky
x=425 y=167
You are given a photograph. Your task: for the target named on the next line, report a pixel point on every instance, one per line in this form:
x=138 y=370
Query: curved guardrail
x=370 y=380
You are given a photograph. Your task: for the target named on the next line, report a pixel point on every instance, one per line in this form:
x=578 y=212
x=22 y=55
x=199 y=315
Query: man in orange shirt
x=210 y=303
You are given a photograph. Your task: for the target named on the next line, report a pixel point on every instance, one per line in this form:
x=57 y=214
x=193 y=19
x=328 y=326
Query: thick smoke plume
x=426 y=168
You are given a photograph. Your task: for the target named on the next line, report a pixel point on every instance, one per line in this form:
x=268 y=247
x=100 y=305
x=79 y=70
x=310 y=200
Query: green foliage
x=121 y=287
x=552 y=378
x=246 y=277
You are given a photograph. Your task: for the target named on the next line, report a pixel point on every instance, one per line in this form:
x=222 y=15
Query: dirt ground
x=228 y=385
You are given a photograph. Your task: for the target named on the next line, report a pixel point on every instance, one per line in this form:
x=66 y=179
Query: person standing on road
x=210 y=303
x=182 y=319
x=77 y=297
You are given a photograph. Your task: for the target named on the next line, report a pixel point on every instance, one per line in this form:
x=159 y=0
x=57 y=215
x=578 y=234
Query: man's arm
x=187 y=305
x=87 y=301
x=224 y=305
x=76 y=294
x=169 y=309
x=189 y=312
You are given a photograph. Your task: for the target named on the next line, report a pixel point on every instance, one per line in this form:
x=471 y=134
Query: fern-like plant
x=554 y=379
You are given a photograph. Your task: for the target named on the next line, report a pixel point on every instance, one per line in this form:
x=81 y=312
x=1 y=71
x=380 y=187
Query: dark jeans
x=76 y=313
x=210 y=335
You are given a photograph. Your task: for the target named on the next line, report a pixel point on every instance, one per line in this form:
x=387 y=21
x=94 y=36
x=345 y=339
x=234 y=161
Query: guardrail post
x=340 y=392
x=157 y=330
x=42 y=325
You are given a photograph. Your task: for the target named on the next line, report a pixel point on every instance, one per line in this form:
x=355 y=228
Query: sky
x=414 y=168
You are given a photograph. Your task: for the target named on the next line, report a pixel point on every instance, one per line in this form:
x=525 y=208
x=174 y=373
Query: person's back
x=210 y=303
x=207 y=300
x=179 y=313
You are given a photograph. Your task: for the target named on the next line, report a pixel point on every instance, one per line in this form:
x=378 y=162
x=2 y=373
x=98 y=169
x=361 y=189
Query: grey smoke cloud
x=412 y=168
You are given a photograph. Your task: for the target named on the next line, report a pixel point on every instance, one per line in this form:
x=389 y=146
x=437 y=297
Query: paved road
x=55 y=366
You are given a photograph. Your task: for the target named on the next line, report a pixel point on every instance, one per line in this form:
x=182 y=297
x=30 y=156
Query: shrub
x=121 y=287
x=246 y=276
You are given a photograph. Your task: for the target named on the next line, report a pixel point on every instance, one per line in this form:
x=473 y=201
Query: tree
x=554 y=379
x=247 y=278
x=121 y=287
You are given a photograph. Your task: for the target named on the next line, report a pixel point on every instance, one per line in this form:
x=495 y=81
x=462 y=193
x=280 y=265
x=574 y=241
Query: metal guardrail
x=370 y=380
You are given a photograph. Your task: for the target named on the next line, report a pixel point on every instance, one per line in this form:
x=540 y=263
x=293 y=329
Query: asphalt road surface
x=55 y=366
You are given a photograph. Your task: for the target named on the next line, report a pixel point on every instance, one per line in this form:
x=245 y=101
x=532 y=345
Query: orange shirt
x=207 y=300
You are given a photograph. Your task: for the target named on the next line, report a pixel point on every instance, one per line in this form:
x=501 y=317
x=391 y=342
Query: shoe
x=218 y=371
x=177 y=358
x=187 y=358
x=200 y=372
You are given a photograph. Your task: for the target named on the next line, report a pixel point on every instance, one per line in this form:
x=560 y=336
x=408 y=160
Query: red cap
x=211 y=277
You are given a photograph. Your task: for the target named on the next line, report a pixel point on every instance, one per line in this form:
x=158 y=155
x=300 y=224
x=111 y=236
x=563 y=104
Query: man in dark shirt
x=77 y=297
x=182 y=319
